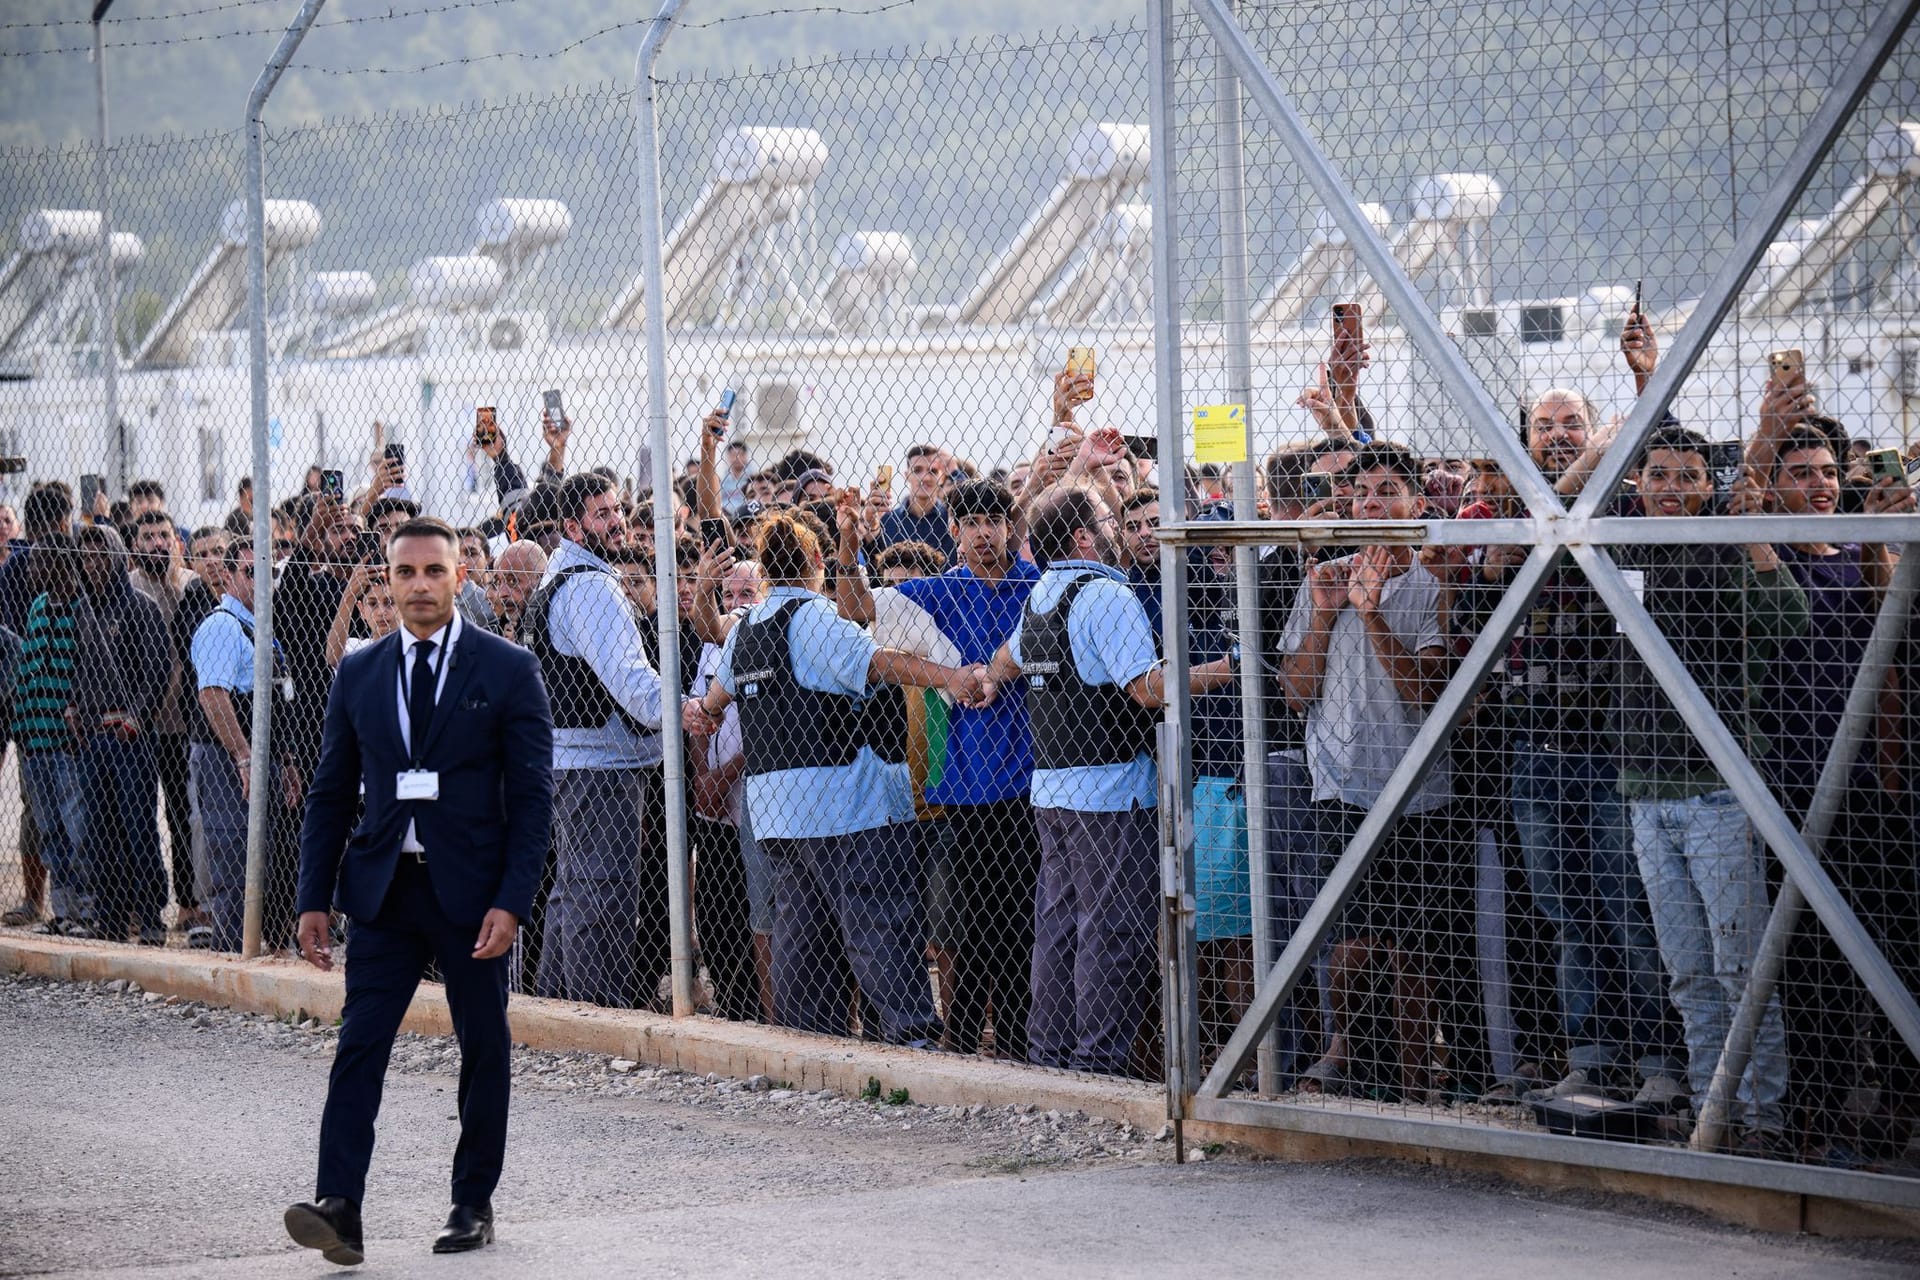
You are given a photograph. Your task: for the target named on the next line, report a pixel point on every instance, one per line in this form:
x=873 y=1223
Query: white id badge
x=1636 y=583
x=417 y=784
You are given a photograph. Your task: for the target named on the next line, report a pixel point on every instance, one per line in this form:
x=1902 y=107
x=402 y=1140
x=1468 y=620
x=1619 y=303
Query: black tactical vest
x=579 y=700
x=783 y=725
x=1075 y=724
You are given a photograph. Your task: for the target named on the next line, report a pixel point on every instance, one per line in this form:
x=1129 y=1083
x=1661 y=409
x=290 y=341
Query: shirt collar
x=1077 y=566
x=237 y=605
x=449 y=633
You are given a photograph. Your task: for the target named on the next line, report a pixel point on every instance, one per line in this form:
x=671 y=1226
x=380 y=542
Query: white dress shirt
x=441 y=659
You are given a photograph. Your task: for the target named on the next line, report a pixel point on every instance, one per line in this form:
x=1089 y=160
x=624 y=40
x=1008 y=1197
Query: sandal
x=1324 y=1076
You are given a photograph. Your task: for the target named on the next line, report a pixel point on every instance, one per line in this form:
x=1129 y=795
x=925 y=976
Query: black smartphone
x=12 y=466
x=334 y=484
x=91 y=487
x=715 y=532
x=1725 y=458
x=1317 y=486
x=550 y=407
x=397 y=452
x=1636 y=295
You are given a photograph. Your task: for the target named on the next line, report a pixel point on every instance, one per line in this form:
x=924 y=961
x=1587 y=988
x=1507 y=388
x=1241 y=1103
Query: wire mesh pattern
x=917 y=567
x=1560 y=923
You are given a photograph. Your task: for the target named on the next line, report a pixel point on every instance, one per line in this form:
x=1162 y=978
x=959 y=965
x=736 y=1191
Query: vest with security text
x=784 y=725
x=1076 y=725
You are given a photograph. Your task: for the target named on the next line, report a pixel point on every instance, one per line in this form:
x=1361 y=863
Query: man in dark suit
x=447 y=728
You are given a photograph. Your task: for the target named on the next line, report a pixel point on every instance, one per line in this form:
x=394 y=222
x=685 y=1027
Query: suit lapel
x=457 y=677
x=386 y=703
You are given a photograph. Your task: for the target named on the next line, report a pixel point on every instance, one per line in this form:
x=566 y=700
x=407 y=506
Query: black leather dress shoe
x=332 y=1226
x=467 y=1228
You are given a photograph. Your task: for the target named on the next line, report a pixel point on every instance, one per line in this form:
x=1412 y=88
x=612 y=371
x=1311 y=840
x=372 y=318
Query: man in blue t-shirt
x=981 y=779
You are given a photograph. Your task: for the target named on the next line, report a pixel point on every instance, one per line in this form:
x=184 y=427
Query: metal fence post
x=1888 y=630
x=109 y=347
x=666 y=573
x=1175 y=756
x=1231 y=183
x=261 y=780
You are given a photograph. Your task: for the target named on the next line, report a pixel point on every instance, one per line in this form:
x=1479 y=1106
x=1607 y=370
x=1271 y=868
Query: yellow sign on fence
x=1220 y=433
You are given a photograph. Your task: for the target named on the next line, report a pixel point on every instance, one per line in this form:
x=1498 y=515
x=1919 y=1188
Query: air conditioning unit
x=488 y=332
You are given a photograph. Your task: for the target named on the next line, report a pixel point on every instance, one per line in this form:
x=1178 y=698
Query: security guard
x=1093 y=681
x=820 y=798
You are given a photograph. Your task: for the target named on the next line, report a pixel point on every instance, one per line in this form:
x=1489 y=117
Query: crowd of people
x=922 y=787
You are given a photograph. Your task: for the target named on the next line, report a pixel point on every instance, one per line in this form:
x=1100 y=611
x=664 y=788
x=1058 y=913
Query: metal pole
x=261 y=780
x=1231 y=180
x=1862 y=705
x=1737 y=771
x=1835 y=109
x=1422 y=754
x=666 y=573
x=109 y=310
x=1182 y=1039
x=1421 y=326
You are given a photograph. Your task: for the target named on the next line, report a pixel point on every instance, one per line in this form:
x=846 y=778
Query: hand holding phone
x=1081 y=368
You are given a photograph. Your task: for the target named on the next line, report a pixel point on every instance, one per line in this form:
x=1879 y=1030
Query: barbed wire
x=390 y=16
x=393 y=16
x=138 y=17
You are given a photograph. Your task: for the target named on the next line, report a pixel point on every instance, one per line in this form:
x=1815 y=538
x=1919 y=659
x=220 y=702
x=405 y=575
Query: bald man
x=515 y=575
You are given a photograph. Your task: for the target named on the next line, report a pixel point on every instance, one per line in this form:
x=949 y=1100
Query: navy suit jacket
x=491 y=742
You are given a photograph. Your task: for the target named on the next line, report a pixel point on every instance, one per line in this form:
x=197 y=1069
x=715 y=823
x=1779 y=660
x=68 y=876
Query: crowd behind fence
x=919 y=578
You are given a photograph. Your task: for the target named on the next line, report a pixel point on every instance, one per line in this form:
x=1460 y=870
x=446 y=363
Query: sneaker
x=1664 y=1092
x=1576 y=1081
x=200 y=937
x=81 y=930
x=21 y=916
x=153 y=935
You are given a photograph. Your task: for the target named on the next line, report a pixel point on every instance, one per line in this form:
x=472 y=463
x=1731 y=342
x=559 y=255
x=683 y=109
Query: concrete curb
x=278 y=987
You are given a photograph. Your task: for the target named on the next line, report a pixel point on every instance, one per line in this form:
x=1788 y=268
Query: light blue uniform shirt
x=830 y=655
x=591 y=618
x=222 y=655
x=1112 y=644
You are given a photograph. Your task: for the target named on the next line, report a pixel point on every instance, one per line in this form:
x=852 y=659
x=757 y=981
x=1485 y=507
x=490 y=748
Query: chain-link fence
x=917 y=570
x=1534 y=812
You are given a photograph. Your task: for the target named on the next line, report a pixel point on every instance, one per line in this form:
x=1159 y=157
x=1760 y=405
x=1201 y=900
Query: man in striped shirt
x=43 y=726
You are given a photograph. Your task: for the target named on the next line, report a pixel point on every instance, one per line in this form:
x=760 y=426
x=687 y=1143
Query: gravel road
x=156 y=1138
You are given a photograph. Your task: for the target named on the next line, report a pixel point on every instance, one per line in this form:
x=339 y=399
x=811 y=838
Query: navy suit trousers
x=386 y=957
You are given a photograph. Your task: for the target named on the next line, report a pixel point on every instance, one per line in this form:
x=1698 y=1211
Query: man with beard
x=1568 y=814
x=307 y=596
x=122 y=671
x=206 y=560
x=610 y=865
x=1093 y=682
x=513 y=578
x=159 y=575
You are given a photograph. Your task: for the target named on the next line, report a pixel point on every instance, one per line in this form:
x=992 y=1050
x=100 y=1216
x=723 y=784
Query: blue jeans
x=60 y=811
x=121 y=782
x=1572 y=828
x=1708 y=891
